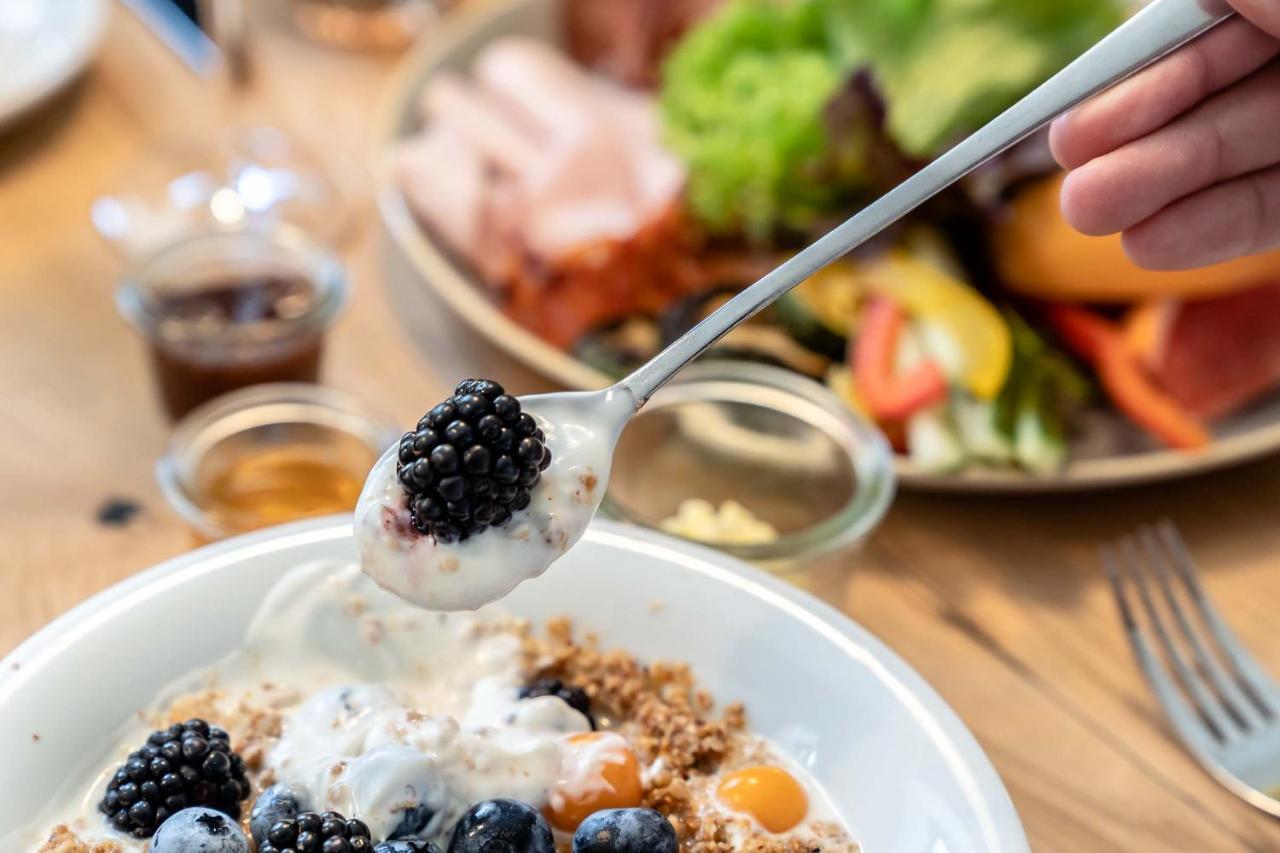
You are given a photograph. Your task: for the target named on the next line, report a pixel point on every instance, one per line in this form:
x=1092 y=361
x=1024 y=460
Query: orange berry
x=771 y=795
x=598 y=771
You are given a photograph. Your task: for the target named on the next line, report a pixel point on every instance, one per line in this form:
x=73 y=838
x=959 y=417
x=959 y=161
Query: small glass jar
x=781 y=446
x=270 y=454
x=224 y=309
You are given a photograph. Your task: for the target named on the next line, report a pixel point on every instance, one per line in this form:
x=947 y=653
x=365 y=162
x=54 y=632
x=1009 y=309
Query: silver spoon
x=583 y=427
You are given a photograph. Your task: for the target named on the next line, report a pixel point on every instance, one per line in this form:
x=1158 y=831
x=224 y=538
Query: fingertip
x=1061 y=143
x=1082 y=202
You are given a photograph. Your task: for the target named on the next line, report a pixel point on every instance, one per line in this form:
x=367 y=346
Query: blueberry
x=413 y=820
x=502 y=826
x=199 y=830
x=406 y=845
x=279 y=802
x=626 y=831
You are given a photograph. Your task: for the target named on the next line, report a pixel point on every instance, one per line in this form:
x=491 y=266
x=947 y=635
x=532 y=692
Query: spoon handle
x=1153 y=32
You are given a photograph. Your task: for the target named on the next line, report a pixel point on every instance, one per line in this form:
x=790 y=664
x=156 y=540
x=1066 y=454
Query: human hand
x=1184 y=158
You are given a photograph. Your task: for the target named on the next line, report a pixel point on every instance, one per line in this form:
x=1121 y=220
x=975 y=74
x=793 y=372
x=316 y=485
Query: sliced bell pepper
x=890 y=395
x=1099 y=342
x=977 y=331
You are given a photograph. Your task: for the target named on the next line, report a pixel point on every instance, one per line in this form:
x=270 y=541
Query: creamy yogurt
x=393 y=714
x=581 y=430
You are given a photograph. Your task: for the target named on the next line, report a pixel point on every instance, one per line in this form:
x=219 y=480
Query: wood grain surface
x=999 y=603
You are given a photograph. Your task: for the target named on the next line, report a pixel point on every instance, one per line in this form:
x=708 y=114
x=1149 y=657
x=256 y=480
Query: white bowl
x=903 y=770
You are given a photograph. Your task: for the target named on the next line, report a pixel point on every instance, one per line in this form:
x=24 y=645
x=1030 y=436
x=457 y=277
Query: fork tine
x=1209 y=708
x=1188 y=725
x=1251 y=677
x=1233 y=699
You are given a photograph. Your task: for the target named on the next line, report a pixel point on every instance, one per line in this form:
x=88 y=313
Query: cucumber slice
x=975 y=422
x=933 y=443
x=1038 y=446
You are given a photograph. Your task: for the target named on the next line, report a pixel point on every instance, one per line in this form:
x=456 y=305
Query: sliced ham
x=1215 y=355
x=492 y=129
x=658 y=174
x=444 y=181
x=542 y=176
x=554 y=95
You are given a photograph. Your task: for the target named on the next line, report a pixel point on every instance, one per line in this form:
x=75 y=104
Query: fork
x=1219 y=700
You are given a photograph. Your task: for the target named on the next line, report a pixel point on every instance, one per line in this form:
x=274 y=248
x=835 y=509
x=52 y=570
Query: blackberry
x=187 y=764
x=406 y=845
x=318 y=832
x=471 y=462
x=575 y=697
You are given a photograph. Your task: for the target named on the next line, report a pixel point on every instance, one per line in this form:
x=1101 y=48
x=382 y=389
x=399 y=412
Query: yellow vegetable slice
x=833 y=294
x=981 y=339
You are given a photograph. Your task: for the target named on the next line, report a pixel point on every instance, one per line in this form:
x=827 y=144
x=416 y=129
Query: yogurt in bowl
x=895 y=763
x=354 y=702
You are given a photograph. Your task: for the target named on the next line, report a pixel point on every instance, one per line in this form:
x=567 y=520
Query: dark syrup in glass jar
x=224 y=310
x=230 y=335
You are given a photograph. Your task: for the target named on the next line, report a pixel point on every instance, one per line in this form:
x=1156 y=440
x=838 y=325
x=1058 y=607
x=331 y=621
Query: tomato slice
x=1133 y=392
x=890 y=395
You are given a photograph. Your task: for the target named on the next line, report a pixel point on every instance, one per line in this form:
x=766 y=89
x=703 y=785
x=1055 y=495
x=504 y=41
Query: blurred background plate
x=1105 y=454
x=44 y=44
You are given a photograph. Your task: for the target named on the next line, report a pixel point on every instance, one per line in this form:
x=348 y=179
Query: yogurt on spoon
x=441 y=564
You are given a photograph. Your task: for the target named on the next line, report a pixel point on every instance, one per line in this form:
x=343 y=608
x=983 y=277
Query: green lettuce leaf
x=742 y=102
x=947 y=67
x=744 y=94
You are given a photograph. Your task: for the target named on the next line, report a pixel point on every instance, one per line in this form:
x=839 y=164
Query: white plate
x=43 y=45
x=1109 y=454
x=905 y=773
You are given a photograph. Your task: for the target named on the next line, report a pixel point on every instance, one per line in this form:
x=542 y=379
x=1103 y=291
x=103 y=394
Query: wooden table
x=998 y=602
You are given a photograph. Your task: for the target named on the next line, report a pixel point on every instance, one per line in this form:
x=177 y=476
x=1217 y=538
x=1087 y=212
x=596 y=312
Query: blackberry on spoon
x=471 y=463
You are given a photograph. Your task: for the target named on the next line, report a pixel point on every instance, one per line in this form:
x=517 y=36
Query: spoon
x=583 y=427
